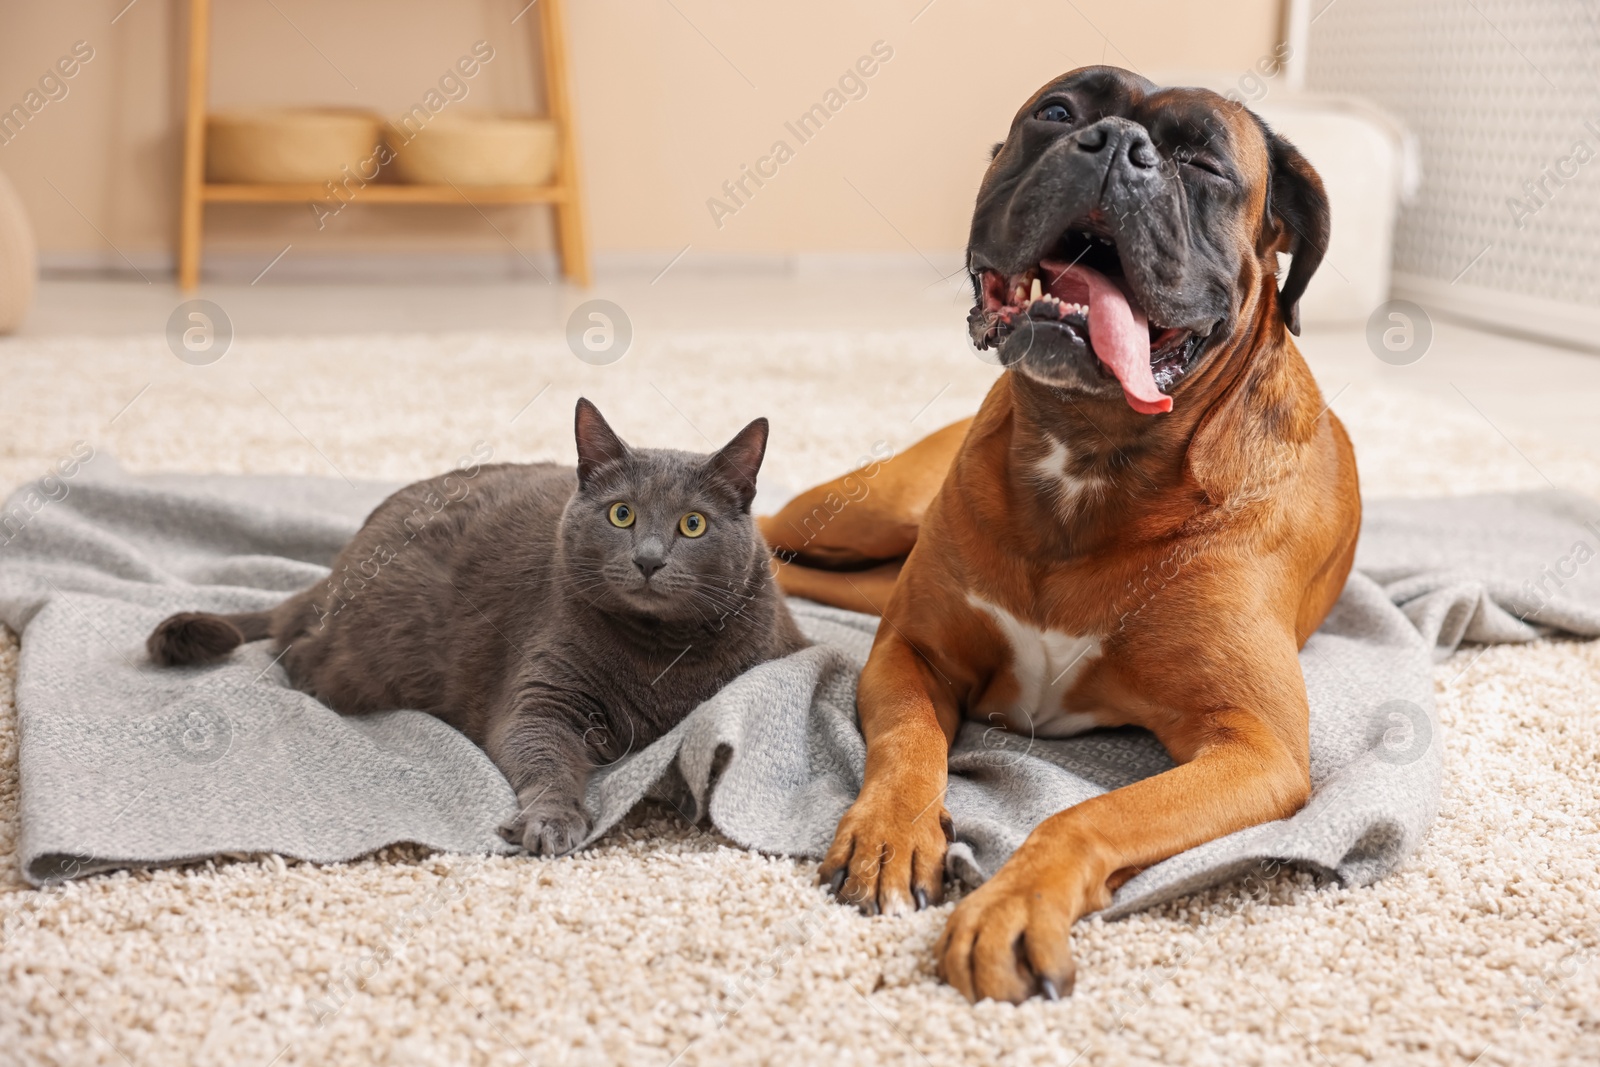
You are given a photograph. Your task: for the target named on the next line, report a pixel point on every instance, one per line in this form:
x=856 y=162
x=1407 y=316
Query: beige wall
x=671 y=97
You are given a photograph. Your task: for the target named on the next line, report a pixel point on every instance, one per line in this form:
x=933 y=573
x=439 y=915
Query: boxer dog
x=1149 y=514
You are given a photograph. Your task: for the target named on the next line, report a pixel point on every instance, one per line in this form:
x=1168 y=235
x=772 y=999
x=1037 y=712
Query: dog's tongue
x=1118 y=331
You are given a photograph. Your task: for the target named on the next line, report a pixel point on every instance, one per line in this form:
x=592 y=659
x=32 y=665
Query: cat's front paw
x=546 y=826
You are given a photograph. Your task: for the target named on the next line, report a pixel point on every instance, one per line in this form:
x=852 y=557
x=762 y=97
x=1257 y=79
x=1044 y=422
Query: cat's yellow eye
x=621 y=515
x=692 y=524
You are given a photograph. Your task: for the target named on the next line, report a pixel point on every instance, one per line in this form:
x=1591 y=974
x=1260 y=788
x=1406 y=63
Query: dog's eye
x=1200 y=162
x=620 y=515
x=1053 y=113
x=692 y=524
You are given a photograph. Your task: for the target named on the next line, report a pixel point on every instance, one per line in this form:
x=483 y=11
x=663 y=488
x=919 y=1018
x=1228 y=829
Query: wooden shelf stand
x=563 y=192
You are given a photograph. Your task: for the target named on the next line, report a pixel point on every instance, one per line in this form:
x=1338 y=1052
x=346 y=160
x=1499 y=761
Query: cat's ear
x=598 y=443
x=739 y=461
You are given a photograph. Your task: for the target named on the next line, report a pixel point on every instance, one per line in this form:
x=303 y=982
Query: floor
x=666 y=944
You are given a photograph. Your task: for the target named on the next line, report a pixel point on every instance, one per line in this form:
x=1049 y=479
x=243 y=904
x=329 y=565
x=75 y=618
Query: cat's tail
x=201 y=637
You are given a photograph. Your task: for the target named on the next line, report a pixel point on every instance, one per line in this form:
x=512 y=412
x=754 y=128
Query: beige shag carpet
x=665 y=944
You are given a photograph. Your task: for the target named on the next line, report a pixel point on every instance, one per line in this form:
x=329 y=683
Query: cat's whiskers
x=724 y=603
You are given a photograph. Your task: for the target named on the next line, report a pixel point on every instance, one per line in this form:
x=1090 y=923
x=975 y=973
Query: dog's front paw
x=547 y=826
x=1010 y=938
x=888 y=853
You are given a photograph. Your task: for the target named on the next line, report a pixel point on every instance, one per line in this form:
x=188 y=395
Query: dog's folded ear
x=1298 y=209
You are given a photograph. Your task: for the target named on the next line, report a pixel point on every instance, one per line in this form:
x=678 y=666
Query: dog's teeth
x=1037 y=291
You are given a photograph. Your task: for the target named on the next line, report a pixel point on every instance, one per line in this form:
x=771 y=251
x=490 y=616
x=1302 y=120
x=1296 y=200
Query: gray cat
x=560 y=618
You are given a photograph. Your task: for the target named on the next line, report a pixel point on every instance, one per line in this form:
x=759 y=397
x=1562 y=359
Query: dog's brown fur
x=1203 y=563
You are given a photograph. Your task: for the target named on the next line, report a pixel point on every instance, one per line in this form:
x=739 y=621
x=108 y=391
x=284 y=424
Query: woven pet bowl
x=468 y=150
x=277 y=145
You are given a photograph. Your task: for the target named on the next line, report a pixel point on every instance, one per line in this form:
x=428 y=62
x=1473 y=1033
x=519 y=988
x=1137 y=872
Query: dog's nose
x=1094 y=138
x=1141 y=153
x=1119 y=137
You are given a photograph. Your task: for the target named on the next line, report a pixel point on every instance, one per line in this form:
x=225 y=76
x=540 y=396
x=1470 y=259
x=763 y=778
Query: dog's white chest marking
x=1063 y=488
x=1045 y=664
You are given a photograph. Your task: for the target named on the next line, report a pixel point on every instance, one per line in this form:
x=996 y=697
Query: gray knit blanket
x=123 y=764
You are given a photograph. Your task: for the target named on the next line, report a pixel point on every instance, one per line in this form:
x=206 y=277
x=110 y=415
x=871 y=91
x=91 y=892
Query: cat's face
x=663 y=534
